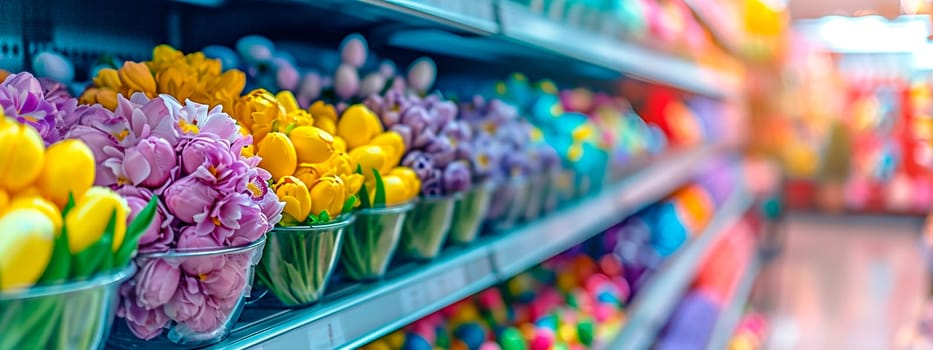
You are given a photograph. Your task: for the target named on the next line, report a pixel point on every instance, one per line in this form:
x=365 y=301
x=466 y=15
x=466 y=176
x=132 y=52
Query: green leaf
x=325 y=217
x=380 y=200
x=68 y=205
x=91 y=259
x=348 y=204
x=387 y=86
x=135 y=230
x=290 y=127
x=364 y=197
x=60 y=263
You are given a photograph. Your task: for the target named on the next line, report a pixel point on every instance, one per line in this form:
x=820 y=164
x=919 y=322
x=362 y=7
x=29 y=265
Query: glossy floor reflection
x=845 y=282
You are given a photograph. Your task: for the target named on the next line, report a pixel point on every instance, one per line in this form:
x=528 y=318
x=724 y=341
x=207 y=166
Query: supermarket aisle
x=846 y=282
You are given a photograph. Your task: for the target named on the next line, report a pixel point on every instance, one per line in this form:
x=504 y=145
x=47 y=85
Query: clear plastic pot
x=537 y=194
x=73 y=315
x=511 y=199
x=469 y=213
x=299 y=260
x=426 y=228
x=212 y=290
x=370 y=242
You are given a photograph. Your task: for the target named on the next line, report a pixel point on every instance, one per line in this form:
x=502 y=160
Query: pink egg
x=421 y=74
x=286 y=76
x=489 y=346
x=372 y=84
x=353 y=50
x=543 y=339
x=346 y=81
x=387 y=68
x=310 y=89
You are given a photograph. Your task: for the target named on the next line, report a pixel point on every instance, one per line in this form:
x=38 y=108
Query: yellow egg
x=278 y=155
x=68 y=168
x=312 y=145
x=25 y=247
x=22 y=154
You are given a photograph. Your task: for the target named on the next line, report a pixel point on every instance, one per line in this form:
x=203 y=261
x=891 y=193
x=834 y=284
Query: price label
x=326 y=334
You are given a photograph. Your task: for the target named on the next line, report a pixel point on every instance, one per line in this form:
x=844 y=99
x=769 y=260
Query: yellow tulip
x=358 y=125
x=4 y=201
x=297 y=200
x=353 y=182
x=409 y=178
x=287 y=99
x=309 y=173
x=25 y=247
x=299 y=117
x=323 y=111
x=369 y=158
x=43 y=205
x=278 y=155
x=164 y=56
x=107 y=98
x=393 y=145
x=328 y=194
x=257 y=111
x=69 y=168
x=136 y=77
x=108 y=78
x=22 y=153
x=178 y=82
x=88 y=220
x=312 y=145
x=340 y=145
x=327 y=125
x=396 y=190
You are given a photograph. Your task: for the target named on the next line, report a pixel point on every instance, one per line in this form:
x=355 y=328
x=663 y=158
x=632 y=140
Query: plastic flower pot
x=469 y=213
x=511 y=199
x=562 y=184
x=299 y=260
x=370 y=242
x=72 y=315
x=537 y=194
x=426 y=228
x=212 y=290
x=552 y=196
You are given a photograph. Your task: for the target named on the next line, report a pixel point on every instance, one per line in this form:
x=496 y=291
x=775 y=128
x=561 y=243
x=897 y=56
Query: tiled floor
x=845 y=282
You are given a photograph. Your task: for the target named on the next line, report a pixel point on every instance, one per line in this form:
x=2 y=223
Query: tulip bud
x=22 y=154
x=278 y=155
x=42 y=205
x=396 y=190
x=136 y=77
x=340 y=146
x=353 y=182
x=358 y=125
x=88 y=220
x=4 y=201
x=369 y=158
x=328 y=194
x=297 y=200
x=393 y=145
x=312 y=145
x=25 y=247
x=409 y=178
x=308 y=173
x=68 y=169
x=108 y=78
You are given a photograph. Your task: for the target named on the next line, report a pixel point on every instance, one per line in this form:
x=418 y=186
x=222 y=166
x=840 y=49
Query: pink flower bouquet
x=197 y=258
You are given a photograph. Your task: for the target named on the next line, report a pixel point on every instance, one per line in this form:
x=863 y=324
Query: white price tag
x=326 y=335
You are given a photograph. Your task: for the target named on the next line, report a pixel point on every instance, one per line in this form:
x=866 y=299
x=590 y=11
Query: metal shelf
x=472 y=15
x=730 y=316
x=651 y=309
x=361 y=313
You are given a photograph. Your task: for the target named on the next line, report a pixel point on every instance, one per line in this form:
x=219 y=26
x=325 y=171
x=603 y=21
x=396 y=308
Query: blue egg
x=472 y=334
x=255 y=49
x=416 y=342
x=228 y=58
x=50 y=64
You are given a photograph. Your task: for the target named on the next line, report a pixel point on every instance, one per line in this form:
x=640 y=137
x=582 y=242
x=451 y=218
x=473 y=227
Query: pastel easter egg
x=353 y=50
x=50 y=64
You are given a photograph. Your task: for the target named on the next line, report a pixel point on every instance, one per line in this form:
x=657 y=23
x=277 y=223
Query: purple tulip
x=160 y=234
x=98 y=141
x=213 y=162
x=253 y=224
x=211 y=121
x=141 y=117
x=457 y=131
x=222 y=221
x=57 y=94
x=416 y=118
x=149 y=163
x=441 y=150
x=189 y=239
x=226 y=282
x=423 y=139
x=404 y=131
x=432 y=185
x=22 y=98
x=144 y=323
x=456 y=178
x=156 y=283
x=188 y=300
x=443 y=113
x=420 y=162
x=188 y=197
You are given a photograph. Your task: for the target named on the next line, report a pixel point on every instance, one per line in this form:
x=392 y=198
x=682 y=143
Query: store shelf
x=361 y=313
x=651 y=308
x=520 y=24
x=532 y=244
x=731 y=314
x=471 y=15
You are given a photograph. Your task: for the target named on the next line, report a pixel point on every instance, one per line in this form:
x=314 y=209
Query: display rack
x=652 y=306
x=731 y=315
x=358 y=314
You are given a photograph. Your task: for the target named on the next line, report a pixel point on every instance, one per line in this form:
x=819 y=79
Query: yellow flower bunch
x=372 y=148
x=312 y=172
x=35 y=184
x=192 y=76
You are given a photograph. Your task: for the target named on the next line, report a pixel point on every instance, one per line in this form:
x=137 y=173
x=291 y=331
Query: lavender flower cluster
x=438 y=145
